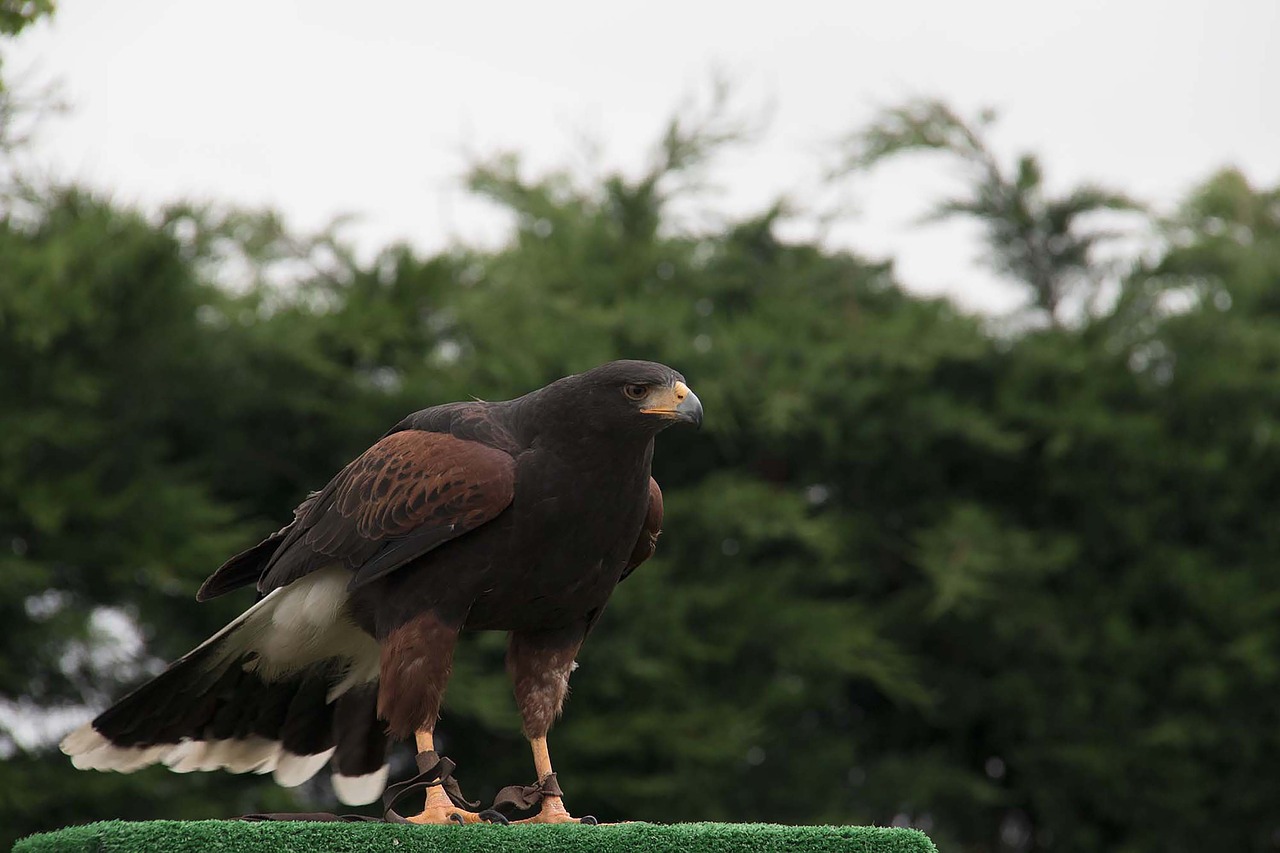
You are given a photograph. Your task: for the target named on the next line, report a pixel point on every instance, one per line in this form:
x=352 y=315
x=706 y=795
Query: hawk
x=519 y=516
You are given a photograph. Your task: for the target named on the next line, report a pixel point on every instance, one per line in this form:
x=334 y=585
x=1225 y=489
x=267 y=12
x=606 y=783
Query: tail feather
x=276 y=691
x=360 y=759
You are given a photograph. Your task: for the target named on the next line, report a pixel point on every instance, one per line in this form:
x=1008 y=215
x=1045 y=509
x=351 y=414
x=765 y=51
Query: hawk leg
x=417 y=660
x=438 y=808
x=539 y=664
x=552 y=810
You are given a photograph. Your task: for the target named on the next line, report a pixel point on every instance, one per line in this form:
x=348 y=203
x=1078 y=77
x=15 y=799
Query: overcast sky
x=322 y=107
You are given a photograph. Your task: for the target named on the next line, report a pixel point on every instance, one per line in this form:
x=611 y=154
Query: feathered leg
x=539 y=665
x=417 y=660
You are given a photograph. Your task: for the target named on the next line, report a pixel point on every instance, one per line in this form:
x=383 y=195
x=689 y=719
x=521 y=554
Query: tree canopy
x=1048 y=243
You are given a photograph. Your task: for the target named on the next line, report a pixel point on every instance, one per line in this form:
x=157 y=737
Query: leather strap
x=433 y=769
x=519 y=798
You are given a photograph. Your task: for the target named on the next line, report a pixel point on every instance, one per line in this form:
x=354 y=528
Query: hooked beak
x=678 y=404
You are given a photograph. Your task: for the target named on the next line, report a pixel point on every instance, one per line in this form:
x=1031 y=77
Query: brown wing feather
x=648 y=541
x=246 y=567
x=409 y=493
x=411 y=479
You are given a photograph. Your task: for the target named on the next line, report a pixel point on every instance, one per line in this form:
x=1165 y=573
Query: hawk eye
x=635 y=391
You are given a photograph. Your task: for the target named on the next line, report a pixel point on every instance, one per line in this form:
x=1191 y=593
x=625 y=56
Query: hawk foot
x=435 y=814
x=444 y=801
x=553 y=811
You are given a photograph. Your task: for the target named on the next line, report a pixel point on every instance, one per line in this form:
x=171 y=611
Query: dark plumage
x=520 y=516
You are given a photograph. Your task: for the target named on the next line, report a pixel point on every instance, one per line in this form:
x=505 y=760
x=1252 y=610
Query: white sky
x=321 y=107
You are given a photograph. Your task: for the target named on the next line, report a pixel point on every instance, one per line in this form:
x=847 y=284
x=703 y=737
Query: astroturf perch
x=519 y=516
x=166 y=836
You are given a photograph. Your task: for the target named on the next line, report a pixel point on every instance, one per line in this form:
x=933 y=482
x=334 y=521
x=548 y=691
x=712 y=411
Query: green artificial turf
x=224 y=836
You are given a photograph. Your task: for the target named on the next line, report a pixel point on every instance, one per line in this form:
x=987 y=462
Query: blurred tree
x=1041 y=240
x=105 y=519
x=15 y=16
x=1113 y=591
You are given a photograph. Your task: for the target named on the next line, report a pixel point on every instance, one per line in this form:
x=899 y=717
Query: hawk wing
x=409 y=493
x=648 y=541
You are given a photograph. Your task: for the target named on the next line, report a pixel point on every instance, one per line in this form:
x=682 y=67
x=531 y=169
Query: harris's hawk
x=518 y=516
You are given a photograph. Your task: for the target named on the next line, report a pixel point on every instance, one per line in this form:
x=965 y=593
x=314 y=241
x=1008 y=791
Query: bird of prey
x=518 y=516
